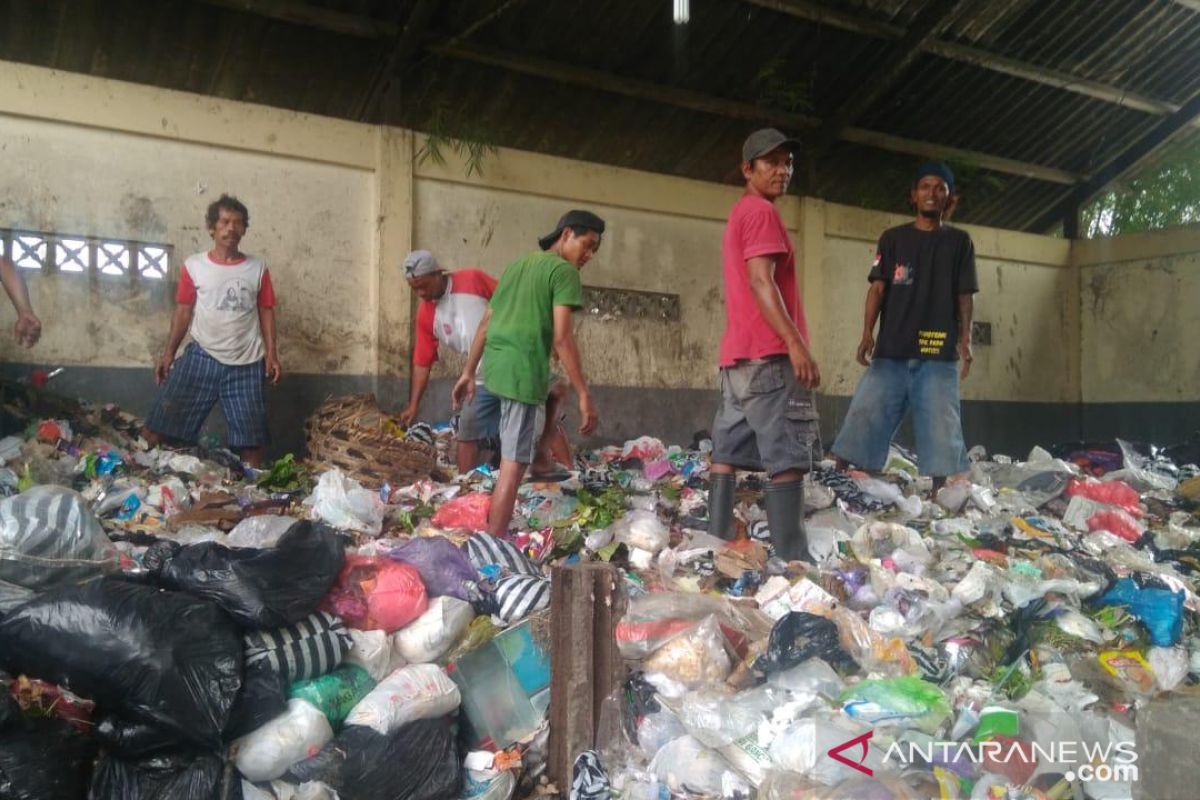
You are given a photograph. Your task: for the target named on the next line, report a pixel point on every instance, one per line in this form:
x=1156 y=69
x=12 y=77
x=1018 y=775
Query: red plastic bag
x=374 y=593
x=469 y=512
x=1112 y=493
x=1117 y=522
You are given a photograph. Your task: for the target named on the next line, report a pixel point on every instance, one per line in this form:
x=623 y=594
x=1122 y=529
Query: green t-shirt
x=520 y=334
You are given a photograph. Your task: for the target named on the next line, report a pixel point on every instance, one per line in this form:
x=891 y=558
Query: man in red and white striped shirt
x=452 y=306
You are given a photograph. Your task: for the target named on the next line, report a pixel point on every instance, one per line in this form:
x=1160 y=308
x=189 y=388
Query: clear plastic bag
x=686 y=765
x=48 y=537
x=263 y=530
x=342 y=502
x=643 y=530
x=695 y=657
x=717 y=719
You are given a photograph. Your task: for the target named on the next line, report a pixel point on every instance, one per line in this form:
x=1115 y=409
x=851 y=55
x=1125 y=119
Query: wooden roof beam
x=1123 y=163
x=856 y=23
x=898 y=57
x=720 y=106
x=407 y=45
x=311 y=16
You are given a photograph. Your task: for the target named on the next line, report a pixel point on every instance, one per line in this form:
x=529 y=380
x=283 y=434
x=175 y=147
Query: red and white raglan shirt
x=453 y=319
x=226 y=297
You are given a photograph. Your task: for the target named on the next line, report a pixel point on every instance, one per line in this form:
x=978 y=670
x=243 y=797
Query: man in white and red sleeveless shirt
x=226 y=302
x=452 y=306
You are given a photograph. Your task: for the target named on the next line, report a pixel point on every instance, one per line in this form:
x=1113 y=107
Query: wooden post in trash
x=586 y=602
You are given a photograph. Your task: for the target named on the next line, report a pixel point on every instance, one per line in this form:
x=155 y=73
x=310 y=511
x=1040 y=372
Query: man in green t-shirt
x=530 y=316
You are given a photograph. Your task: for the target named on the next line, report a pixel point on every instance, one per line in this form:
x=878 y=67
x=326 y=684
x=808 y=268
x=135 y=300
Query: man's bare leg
x=467 y=456
x=253 y=456
x=504 y=496
x=553 y=439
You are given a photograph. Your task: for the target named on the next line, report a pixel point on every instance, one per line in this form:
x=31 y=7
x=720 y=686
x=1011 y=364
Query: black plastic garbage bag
x=419 y=761
x=130 y=739
x=165 y=658
x=799 y=636
x=43 y=759
x=262 y=699
x=261 y=588
x=174 y=776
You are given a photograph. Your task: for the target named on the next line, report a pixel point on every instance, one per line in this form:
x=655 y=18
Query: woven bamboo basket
x=348 y=433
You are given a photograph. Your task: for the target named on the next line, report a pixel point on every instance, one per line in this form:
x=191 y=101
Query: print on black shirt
x=924 y=272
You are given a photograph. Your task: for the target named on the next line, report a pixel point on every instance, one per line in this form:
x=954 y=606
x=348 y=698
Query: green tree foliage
x=1165 y=194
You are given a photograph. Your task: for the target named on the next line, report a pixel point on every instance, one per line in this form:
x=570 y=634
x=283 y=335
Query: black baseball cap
x=575 y=218
x=761 y=142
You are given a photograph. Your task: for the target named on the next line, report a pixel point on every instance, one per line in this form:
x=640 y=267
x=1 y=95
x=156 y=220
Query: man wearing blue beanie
x=922 y=288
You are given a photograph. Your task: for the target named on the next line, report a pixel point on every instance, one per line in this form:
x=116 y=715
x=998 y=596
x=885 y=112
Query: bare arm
x=28 y=328
x=874 y=304
x=966 y=309
x=761 y=271
x=568 y=353
x=266 y=321
x=420 y=381
x=181 y=320
x=464 y=389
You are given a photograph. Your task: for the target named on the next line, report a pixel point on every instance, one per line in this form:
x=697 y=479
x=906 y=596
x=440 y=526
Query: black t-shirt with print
x=924 y=273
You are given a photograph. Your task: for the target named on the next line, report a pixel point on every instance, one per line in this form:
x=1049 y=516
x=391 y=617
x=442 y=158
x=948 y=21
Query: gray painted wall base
x=673 y=415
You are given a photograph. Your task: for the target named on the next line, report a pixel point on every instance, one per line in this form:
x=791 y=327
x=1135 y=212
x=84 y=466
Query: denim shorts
x=889 y=389
x=481 y=419
x=767 y=420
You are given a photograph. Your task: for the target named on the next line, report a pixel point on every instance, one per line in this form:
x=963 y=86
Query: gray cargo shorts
x=767 y=420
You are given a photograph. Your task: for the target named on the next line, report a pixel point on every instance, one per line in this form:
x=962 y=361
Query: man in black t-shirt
x=922 y=287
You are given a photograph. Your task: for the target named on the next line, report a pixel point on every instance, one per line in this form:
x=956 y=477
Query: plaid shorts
x=195 y=383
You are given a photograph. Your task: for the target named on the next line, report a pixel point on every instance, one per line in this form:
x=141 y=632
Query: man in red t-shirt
x=767 y=420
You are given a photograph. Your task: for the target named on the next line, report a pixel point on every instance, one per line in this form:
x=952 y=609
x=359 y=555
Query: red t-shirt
x=756 y=229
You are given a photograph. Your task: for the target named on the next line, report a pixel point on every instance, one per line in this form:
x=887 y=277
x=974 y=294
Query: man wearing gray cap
x=530 y=317
x=767 y=420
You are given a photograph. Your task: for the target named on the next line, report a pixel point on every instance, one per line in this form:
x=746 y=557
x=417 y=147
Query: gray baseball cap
x=761 y=142
x=420 y=262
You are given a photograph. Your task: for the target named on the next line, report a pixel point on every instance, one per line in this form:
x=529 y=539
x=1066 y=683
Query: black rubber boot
x=720 y=504
x=785 y=516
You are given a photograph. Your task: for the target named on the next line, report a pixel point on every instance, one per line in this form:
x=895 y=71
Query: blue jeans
x=890 y=388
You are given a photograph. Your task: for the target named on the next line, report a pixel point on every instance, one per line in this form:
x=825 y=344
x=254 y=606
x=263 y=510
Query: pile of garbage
x=995 y=639
x=174 y=624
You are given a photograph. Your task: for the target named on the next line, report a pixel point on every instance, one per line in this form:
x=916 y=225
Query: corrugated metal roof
x=288 y=54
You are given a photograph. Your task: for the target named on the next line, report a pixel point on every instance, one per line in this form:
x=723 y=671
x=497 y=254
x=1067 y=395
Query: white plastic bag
x=266 y=753
x=263 y=531
x=341 y=502
x=418 y=691
x=429 y=636
x=686 y=765
x=643 y=530
x=371 y=650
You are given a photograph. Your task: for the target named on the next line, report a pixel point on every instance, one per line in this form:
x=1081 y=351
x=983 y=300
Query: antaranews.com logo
x=1087 y=761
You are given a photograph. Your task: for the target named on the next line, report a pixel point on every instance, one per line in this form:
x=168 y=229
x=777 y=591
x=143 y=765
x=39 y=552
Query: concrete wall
x=1140 y=325
x=1023 y=387
x=335 y=205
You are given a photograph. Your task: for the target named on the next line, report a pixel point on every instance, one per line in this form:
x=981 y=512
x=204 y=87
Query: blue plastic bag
x=1160 y=610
